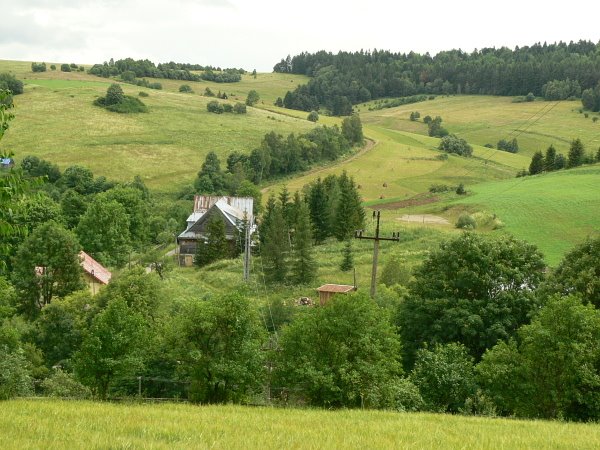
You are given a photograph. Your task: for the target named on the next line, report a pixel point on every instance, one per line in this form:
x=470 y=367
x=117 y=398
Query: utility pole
x=358 y=234
x=247 y=250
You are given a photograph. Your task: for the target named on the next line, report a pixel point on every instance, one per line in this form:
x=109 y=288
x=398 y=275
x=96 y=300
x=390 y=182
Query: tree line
x=551 y=160
x=558 y=71
x=173 y=71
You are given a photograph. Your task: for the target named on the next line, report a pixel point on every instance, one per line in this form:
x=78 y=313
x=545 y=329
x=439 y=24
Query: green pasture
x=486 y=119
x=34 y=424
x=55 y=120
x=555 y=211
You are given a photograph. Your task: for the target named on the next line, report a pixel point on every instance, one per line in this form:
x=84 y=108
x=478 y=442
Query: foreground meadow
x=26 y=424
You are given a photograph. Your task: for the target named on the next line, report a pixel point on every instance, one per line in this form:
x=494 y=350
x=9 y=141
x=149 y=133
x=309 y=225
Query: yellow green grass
x=486 y=119
x=34 y=424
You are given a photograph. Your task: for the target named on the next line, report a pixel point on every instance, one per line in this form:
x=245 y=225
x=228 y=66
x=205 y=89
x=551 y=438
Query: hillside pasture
x=29 y=424
x=55 y=120
x=486 y=119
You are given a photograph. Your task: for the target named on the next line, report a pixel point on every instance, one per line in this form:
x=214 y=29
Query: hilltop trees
x=116 y=101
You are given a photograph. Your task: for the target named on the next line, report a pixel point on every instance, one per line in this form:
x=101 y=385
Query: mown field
x=34 y=424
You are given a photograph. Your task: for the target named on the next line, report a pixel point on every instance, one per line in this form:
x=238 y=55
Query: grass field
x=553 y=211
x=27 y=424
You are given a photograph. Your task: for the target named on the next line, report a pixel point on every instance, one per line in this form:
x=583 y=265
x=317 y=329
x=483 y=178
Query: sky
x=256 y=34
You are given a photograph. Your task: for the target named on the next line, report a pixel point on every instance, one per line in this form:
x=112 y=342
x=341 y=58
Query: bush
x=15 y=377
x=128 y=105
x=313 y=116
x=53 y=67
x=445 y=377
x=62 y=384
x=454 y=144
x=460 y=189
x=8 y=81
x=215 y=107
x=436 y=188
x=185 y=88
x=35 y=67
x=530 y=97
x=239 y=108
x=65 y=68
x=208 y=92
x=406 y=396
x=143 y=94
x=227 y=107
x=155 y=86
x=466 y=222
x=414 y=116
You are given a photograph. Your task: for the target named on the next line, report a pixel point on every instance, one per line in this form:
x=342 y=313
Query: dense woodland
x=556 y=71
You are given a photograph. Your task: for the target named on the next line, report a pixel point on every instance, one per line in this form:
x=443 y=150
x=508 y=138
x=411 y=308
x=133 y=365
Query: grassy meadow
x=33 y=424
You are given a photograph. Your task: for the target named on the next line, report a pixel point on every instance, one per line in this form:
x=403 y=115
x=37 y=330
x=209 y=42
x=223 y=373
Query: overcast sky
x=256 y=34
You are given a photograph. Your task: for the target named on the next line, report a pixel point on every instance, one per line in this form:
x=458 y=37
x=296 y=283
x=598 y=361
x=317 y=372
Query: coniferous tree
x=319 y=212
x=275 y=249
x=267 y=217
x=576 y=154
x=303 y=264
x=350 y=214
x=215 y=246
x=550 y=159
x=537 y=163
x=348 y=259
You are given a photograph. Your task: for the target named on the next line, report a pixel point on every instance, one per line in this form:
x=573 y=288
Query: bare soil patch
x=423 y=218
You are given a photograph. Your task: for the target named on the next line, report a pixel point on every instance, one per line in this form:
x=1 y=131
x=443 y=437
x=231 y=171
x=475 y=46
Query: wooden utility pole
x=247 y=250
x=358 y=234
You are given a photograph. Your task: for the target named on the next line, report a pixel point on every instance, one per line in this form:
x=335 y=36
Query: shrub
x=466 y=222
x=62 y=384
x=73 y=66
x=313 y=116
x=128 y=105
x=15 y=377
x=53 y=67
x=143 y=94
x=414 y=116
x=436 y=188
x=460 y=189
x=227 y=107
x=442 y=157
x=208 y=92
x=185 y=88
x=215 y=107
x=155 y=86
x=586 y=115
x=239 y=108
x=35 y=67
x=530 y=97
x=454 y=144
x=65 y=68
x=8 y=81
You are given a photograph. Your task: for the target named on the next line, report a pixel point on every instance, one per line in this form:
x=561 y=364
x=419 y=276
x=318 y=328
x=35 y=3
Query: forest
x=556 y=71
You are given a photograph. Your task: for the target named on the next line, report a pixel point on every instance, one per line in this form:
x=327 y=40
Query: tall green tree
x=137 y=210
x=218 y=341
x=350 y=215
x=345 y=354
x=303 y=266
x=319 y=212
x=576 y=153
x=537 y=163
x=578 y=273
x=550 y=159
x=112 y=347
x=472 y=290
x=104 y=232
x=552 y=369
x=252 y=98
x=275 y=250
x=211 y=180
x=46 y=266
x=352 y=129
x=215 y=246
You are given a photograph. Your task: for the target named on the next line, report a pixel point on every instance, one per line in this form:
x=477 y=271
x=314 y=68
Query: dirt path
x=423 y=218
x=370 y=144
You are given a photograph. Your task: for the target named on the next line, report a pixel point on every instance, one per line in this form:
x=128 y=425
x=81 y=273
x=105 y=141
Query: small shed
x=329 y=290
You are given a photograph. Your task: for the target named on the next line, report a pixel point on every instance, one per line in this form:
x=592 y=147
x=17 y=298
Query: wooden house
x=327 y=291
x=233 y=211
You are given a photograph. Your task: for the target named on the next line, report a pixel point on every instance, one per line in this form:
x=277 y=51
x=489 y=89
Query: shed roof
x=337 y=288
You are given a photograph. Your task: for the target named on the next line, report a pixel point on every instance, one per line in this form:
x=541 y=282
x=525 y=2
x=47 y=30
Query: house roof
x=94 y=268
x=336 y=288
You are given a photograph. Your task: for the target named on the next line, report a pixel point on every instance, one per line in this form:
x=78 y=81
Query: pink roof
x=94 y=268
x=336 y=288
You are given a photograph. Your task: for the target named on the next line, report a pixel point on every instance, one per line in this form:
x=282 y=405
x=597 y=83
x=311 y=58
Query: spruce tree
x=303 y=264
x=215 y=246
x=267 y=217
x=350 y=214
x=576 y=154
x=348 y=259
x=550 y=159
x=275 y=249
x=537 y=163
x=319 y=212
